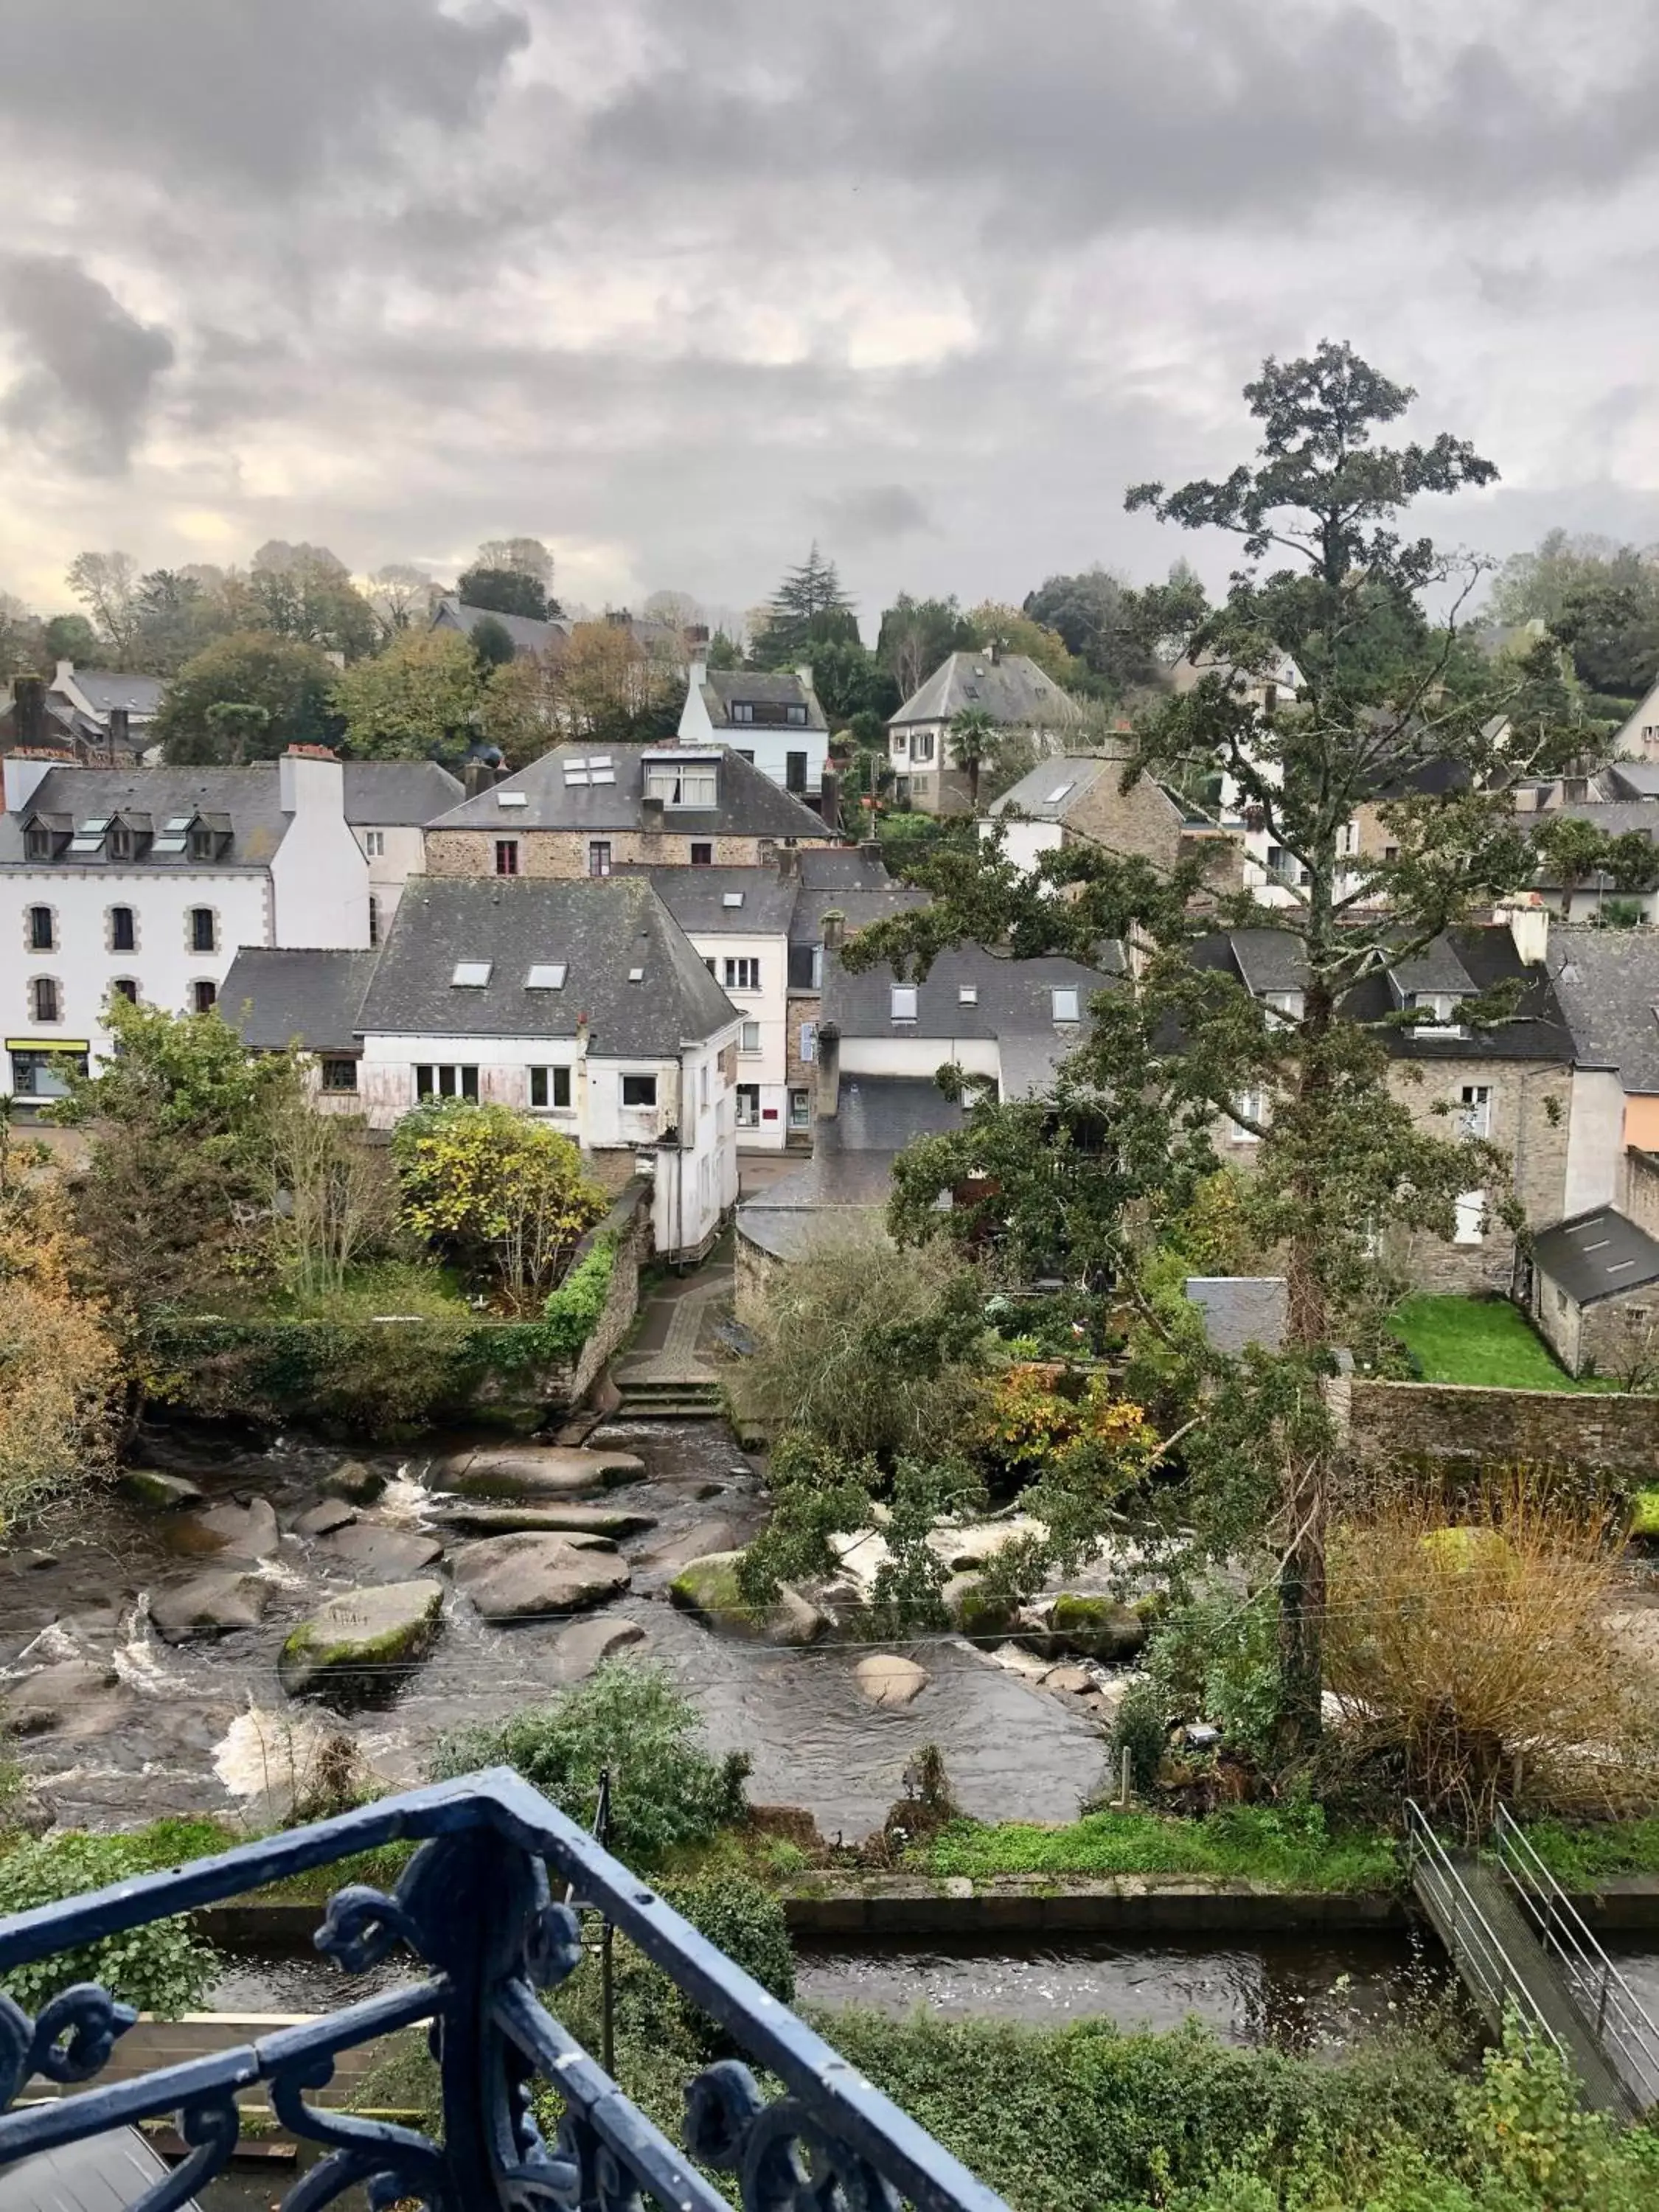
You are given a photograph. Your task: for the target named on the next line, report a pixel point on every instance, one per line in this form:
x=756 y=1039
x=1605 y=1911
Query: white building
x=580 y=1001
x=772 y=717
x=147 y=881
x=738 y=920
x=388 y=804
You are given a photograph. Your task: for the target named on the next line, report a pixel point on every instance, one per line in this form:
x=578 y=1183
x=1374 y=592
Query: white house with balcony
x=580 y=1001
x=147 y=882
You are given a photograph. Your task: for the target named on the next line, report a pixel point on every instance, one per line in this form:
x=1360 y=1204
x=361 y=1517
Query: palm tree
x=971 y=731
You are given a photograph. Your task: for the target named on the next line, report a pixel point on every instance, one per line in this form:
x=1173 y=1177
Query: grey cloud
x=264 y=91
x=871 y=513
x=90 y=366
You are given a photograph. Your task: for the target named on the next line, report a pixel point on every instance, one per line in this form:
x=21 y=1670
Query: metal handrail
x=1475 y=1946
x=1612 y=2011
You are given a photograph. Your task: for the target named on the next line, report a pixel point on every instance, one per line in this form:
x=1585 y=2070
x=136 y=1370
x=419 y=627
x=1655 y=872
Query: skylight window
x=600 y=760
x=95 y=826
x=575 y=773
x=169 y=845
x=512 y=798
x=602 y=775
x=1058 y=794
x=967 y=995
x=637 y=974
x=1066 y=1005
x=904 y=1002
x=472 y=975
x=85 y=844
x=545 y=976
x=175 y=823
x=732 y=898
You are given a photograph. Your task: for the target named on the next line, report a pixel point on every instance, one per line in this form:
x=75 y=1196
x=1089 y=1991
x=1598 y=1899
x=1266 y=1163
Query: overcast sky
x=679 y=285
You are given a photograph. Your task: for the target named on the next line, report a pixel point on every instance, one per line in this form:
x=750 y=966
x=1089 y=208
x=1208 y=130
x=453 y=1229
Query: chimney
x=618 y=618
x=699 y=673
x=651 y=815
x=696 y=638
x=787 y=859
x=835 y=929
x=120 y=730
x=65 y=675
x=827 y=1051
x=1529 y=920
x=829 y=800
x=990 y=652
x=310 y=781
x=804 y=671
x=477 y=777
x=28 y=714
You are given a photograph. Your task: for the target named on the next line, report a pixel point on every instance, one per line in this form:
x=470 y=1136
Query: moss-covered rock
x=1644 y=1513
x=167 y=1493
x=708 y=1588
x=347 y=1651
x=357 y=1483
x=1096 y=1627
x=976 y=1611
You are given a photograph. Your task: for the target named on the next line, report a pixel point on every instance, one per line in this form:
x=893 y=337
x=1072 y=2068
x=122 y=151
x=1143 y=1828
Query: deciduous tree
x=289 y=682
x=106 y=585
x=415 y=700
x=498 y=1189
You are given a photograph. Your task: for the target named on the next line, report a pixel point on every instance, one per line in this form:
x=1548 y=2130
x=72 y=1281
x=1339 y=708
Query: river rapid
x=205 y=1727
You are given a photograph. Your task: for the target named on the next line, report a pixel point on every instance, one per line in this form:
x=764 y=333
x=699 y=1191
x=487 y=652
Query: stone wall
x=1641 y=1189
x=1442 y=1421
x=630 y=1222
x=563 y=853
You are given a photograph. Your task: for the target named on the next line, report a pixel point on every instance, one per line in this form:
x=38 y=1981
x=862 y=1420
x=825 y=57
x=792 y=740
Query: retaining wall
x=1600 y=1430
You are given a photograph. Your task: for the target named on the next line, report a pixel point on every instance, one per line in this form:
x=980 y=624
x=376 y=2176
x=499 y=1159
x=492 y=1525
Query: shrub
x=1217 y=1659
x=496 y=1188
x=1038 y=1411
x=1464 y=1637
x=1141 y=1728
x=667 y=1790
x=164 y=1967
x=572 y=1312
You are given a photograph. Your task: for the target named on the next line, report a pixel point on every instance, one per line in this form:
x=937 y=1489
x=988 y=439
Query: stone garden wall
x=1603 y=1431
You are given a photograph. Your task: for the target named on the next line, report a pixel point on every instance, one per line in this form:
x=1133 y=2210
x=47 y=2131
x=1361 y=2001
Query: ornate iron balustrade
x=477 y=1909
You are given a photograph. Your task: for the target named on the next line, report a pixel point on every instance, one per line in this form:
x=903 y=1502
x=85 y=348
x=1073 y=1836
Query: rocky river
x=117 y=1722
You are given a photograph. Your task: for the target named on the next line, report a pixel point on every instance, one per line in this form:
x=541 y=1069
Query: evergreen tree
x=1340 y=1161
x=808 y=607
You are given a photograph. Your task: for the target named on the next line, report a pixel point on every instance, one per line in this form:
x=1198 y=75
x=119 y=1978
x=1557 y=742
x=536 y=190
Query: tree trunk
x=1301 y=1574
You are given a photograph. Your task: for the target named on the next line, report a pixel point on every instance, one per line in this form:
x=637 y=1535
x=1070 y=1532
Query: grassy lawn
x=1481 y=1340
x=1288 y=1850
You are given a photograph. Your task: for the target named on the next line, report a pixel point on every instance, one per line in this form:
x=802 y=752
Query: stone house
x=1608 y=983
x=531 y=637
x=1080 y=799
x=1509 y=1083
x=1596 y=1294
x=588 y=811
x=840 y=892
x=1009 y=687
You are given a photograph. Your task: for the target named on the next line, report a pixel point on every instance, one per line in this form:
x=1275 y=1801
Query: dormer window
x=201 y=843
x=683 y=783
x=1438 y=1008
x=1287 y=1005
x=119 y=842
x=37 y=841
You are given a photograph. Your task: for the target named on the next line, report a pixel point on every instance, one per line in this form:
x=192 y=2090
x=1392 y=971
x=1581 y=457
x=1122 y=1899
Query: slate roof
x=748 y=803
x=1633 y=779
x=1241 y=1309
x=1608 y=983
x=1612 y=816
x=696 y=898
x=1436 y=968
x=396 y=795
x=859 y=908
x=247 y=798
x=834 y=1193
x=104 y=688
x=844 y=867
x=1011 y=689
x=101 y=2173
x=1596 y=1255
x=877 y=1115
x=1013 y=996
x=527 y=633
x=601 y=929
x=1269 y=960
x=272 y=999
x=1053 y=788
x=766 y=688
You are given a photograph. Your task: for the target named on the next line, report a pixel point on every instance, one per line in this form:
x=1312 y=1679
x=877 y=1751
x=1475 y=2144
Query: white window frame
x=1253 y=1104
x=904 y=1002
x=743 y=972
x=1067 y=1002
x=374 y=844
x=746 y=1049
x=1474 y=1109
x=1469 y=1225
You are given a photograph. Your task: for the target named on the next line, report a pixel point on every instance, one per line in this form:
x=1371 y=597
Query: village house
x=531 y=637
x=101 y=717
x=841 y=891
x=388 y=804
x=1595 y=1296
x=146 y=882
x=1608 y=983
x=1511 y=1082
x=590 y=810
x=772 y=717
x=1078 y=798
x=580 y=1002
x=1009 y=687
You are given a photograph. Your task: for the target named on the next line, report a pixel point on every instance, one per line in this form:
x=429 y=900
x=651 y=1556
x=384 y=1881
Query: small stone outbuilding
x=1596 y=1293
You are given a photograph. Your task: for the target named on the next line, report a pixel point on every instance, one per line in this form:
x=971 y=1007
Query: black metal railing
x=477 y=1909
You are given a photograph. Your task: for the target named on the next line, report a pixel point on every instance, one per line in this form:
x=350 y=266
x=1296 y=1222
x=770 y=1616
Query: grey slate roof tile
x=1607 y=982
x=1596 y=1255
x=273 y=998
x=1011 y=689
x=748 y=803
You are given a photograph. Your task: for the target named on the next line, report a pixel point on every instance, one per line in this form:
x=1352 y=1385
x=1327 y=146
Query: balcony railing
x=478 y=1907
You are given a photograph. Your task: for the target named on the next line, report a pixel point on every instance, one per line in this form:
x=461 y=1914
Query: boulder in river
x=357 y=1483
x=1095 y=1627
x=381 y=1554
x=586 y=1644
x=166 y=1493
x=243 y=1532
x=701 y=1540
x=973 y=1612
x=354 y=1646
x=215 y=1604
x=322 y=1520
x=76 y=1697
x=708 y=1588
x=539 y=1471
x=520 y=1577
x=887 y=1680
x=573 y=1520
